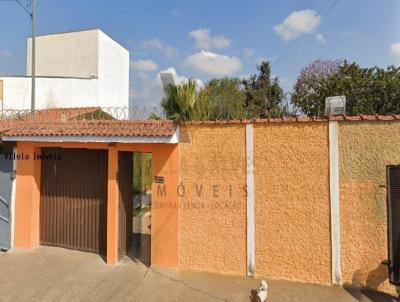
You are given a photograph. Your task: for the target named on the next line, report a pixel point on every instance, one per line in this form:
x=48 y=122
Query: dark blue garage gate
x=7 y=175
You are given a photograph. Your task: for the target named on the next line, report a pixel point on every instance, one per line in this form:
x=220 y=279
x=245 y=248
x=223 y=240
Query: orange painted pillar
x=165 y=207
x=112 y=207
x=27 y=199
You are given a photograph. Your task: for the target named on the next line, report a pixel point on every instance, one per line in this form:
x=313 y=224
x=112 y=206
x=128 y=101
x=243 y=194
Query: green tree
x=179 y=100
x=220 y=99
x=260 y=95
x=367 y=90
x=264 y=96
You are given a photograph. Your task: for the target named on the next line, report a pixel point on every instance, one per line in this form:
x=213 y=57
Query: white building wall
x=113 y=73
x=71 y=54
x=50 y=92
x=76 y=69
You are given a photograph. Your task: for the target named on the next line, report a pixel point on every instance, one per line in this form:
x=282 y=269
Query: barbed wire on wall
x=84 y=113
x=283 y=105
x=83 y=121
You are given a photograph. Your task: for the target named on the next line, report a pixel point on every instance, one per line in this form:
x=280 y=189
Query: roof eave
x=173 y=139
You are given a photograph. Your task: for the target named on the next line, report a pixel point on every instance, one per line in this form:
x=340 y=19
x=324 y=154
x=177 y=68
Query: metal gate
x=125 y=204
x=393 y=216
x=73 y=199
x=7 y=175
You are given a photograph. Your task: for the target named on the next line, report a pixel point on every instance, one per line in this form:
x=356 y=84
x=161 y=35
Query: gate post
x=27 y=199
x=165 y=207
x=112 y=206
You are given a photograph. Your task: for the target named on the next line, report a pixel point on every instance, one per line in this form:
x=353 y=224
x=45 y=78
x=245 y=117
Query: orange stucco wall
x=27 y=199
x=292 y=209
x=365 y=148
x=165 y=208
x=164 y=241
x=199 y=213
x=212 y=221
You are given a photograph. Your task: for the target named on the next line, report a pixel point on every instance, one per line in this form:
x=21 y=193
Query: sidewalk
x=56 y=274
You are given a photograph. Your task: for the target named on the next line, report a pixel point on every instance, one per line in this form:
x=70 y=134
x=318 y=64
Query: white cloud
x=320 y=38
x=143 y=65
x=213 y=64
x=156 y=45
x=298 y=23
x=5 y=54
x=205 y=41
x=395 y=50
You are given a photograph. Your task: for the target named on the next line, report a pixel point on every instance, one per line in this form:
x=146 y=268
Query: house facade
x=299 y=199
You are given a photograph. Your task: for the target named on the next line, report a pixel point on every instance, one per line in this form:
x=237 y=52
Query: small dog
x=263 y=291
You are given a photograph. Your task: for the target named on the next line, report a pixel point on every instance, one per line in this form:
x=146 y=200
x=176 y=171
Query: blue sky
x=206 y=39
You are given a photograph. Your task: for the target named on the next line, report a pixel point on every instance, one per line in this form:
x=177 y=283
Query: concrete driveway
x=56 y=274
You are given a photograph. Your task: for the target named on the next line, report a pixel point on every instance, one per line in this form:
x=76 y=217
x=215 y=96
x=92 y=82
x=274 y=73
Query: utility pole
x=32 y=14
x=33 y=54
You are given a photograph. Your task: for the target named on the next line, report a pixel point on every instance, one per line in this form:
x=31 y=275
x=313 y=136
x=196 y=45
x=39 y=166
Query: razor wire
x=79 y=119
x=83 y=118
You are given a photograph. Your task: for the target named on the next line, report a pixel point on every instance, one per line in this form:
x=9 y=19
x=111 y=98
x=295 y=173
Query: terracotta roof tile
x=303 y=119
x=336 y=118
x=353 y=118
x=64 y=114
x=385 y=117
x=92 y=128
x=82 y=122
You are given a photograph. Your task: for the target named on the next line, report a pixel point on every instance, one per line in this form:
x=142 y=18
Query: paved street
x=56 y=274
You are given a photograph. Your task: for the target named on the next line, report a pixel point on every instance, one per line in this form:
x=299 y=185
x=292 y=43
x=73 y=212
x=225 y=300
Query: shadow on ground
x=140 y=248
x=365 y=287
x=368 y=295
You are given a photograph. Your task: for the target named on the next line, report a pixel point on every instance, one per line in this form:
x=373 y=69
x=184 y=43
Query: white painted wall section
x=334 y=201
x=13 y=194
x=95 y=139
x=250 y=200
x=69 y=54
x=74 y=69
x=113 y=73
x=50 y=92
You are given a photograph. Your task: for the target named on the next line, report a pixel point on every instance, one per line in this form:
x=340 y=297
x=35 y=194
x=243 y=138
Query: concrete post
x=334 y=200
x=250 y=201
x=27 y=199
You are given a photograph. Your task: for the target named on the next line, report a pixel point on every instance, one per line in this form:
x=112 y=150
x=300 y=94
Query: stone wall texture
x=212 y=217
x=292 y=201
x=365 y=149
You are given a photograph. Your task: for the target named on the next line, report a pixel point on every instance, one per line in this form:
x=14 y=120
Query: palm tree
x=179 y=100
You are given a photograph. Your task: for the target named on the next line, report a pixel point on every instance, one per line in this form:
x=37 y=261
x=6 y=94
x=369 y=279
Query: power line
x=24 y=7
x=32 y=14
x=326 y=13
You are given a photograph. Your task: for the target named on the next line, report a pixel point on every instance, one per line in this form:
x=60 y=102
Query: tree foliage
x=179 y=101
x=367 y=90
x=260 y=95
x=220 y=99
x=264 y=95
